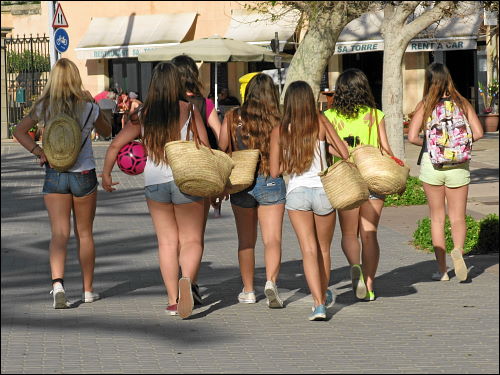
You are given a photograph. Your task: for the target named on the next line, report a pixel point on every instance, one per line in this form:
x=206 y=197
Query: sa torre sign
x=416 y=45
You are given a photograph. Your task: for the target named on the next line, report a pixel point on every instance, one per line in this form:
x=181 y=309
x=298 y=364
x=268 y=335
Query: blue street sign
x=61 y=40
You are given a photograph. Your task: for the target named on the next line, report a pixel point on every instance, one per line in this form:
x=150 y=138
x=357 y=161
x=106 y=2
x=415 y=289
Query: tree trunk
x=392 y=96
x=311 y=58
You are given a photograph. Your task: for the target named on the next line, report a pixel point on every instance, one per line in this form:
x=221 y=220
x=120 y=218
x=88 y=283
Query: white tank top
x=162 y=173
x=310 y=177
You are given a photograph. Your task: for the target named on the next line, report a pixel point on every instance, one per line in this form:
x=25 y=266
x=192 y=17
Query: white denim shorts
x=309 y=199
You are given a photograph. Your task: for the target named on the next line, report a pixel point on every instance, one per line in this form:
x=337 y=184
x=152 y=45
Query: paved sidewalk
x=415 y=325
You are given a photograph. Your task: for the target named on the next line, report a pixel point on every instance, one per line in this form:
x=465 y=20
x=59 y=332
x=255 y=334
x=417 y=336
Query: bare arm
x=224 y=135
x=126 y=135
x=274 y=153
x=415 y=125
x=475 y=124
x=384 y=142
x=333 y=139
x=21 y=133
x=202 y=131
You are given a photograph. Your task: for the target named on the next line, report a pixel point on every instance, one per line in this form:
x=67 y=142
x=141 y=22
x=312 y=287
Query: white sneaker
x=88 y=297
x=438 y=276
x=60 y=301
x=247 y=297
x=273 y=299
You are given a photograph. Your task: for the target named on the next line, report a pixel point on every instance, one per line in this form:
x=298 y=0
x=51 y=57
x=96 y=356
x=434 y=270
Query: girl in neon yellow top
x=357 y=121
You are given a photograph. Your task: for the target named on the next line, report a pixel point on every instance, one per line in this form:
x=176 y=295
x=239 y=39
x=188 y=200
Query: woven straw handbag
x=383 y=174
x=245 y=160
x=198 y=170
x=344 y=186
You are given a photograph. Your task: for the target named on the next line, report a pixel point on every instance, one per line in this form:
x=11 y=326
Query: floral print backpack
x=448 y=135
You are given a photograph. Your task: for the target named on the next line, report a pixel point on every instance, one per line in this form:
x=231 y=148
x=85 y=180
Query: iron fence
x=27 y=62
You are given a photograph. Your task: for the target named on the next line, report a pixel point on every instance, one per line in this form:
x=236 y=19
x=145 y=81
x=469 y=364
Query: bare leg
x=246 y=227
x=349 y=225
x=83 y=217
x=303 y=224
x=271 y=226
x=165 y=226
x=437 y=210
x=369 y=218
x=59 y=209
x=456 y=199
x=206 y=208
x=325 y=225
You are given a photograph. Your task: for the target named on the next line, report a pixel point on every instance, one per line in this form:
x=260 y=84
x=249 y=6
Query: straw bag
x=197 y=169
x=343 y=185
x=245 y=162
x=383 y=174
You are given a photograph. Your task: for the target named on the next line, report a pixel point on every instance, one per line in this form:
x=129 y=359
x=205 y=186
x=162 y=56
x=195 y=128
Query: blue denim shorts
x=309 y=199
x=266 y=191
x=79 y=184
x=376 y=196
x=168 y=193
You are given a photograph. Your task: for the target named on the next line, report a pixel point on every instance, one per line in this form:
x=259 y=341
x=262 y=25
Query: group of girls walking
x=298 y=141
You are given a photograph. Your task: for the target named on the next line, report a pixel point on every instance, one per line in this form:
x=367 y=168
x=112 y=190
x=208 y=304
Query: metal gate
x=27 y=64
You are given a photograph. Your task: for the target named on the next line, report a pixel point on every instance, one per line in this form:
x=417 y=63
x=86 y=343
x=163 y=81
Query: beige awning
x=258 y=28
x=456 y=33
x=114 y=37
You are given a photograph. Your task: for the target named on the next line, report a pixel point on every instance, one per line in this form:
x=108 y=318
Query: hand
x=107 y=183
x=43 y=159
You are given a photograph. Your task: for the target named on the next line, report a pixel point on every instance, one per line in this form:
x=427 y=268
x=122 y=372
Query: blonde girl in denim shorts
x=449 y=185
x=73 y=191
x=298 y=148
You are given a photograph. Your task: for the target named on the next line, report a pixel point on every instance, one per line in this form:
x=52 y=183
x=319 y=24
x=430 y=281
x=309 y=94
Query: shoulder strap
x=85 y=124
x=329 y=132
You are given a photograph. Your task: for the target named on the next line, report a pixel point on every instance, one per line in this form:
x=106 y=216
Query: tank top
x=162 y=173
x=310 y=178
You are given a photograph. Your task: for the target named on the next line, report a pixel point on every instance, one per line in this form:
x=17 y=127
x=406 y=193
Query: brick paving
x=415 y=325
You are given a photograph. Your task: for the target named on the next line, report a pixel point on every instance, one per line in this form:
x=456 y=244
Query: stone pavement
x=415 y=325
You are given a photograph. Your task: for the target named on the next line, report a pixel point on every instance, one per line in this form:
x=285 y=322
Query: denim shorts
x=376 y=196
x=309 y=199
x=168 y=192
x=79 y=184
x=266 y=191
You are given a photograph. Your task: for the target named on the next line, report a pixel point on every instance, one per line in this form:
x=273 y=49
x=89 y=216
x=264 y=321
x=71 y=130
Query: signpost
x=59 y=39
x=59 y=19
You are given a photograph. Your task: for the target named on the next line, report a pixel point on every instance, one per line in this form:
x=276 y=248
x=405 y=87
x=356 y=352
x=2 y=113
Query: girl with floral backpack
x=450 y=125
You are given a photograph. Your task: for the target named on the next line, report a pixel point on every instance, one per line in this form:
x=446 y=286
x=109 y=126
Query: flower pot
x=489 y=122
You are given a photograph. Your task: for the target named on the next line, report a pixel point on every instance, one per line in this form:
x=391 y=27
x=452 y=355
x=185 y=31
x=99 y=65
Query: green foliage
x=481 y=237
x=27 y=61
x=414 y=195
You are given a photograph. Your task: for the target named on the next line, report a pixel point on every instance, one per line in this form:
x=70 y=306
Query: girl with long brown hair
x=74 y=190
x=298 y=148
x=357 y=120
x=444 y=185
x=177 y=217
x=250 y=127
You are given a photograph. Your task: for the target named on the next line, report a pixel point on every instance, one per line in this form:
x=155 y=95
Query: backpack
x=448 y=135
x=62 y=141
x=200 y=103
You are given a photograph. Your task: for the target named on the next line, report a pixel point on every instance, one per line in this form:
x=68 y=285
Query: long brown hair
x=189 y=74
x=352 y=92
x=63 y=93
x=160 y=113
x=259 y=115
x=438 y=83
x=299 y=128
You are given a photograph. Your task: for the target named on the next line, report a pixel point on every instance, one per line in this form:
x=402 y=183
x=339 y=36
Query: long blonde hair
x=63 y=93
x=260 y=113
x=299 y=128
x=438 y=83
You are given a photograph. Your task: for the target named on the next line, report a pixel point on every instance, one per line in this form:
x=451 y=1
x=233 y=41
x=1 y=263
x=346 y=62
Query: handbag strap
x=194 y=129
x=85 y=124
x=329 y=132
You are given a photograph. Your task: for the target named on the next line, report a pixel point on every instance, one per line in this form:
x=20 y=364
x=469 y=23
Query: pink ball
x=132 y=158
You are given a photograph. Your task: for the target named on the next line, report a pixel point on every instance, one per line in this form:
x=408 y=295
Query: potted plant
x=406 y=122
x=489 y=113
